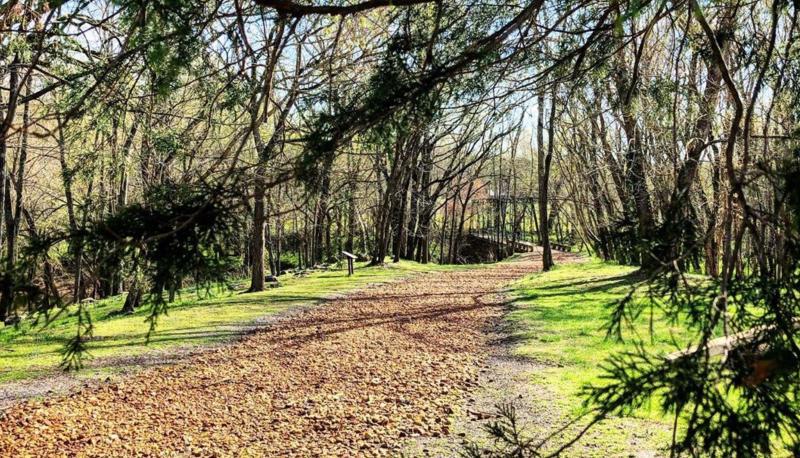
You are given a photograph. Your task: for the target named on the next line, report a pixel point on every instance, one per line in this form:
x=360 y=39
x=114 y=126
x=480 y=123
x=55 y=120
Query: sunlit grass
x=559 y=319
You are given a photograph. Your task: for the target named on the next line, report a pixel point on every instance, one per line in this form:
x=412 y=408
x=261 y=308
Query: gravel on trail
x=357 y=376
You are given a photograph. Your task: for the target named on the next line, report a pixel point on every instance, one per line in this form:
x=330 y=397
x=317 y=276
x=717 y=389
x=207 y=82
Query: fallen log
x=722 y=345
x=760 y=362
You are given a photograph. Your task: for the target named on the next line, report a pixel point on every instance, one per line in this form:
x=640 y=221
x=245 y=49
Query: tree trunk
x=443 y=232
x=352 y=224
x=413 y=217
x=462 y=219
x=320 y=251
x=636 y=190
x=265 y=151
x=426 y=204
x=544 y=160
x=134 y=298
x=676 y=216
x=257 y=237
x=400 y=216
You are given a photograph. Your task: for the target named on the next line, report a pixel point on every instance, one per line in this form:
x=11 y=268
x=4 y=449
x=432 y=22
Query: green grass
x=196 y=318
x=559 y=320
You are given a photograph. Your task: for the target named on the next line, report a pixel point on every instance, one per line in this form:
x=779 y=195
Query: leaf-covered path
x=357 y=376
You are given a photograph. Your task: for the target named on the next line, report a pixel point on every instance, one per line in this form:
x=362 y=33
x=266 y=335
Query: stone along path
x=357 y=376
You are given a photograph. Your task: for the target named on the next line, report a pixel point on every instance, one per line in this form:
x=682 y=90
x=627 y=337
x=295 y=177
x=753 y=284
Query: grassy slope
x=196 y=318
x=558 y=319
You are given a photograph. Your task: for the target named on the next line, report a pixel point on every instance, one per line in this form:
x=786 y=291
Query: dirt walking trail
x=357 y=376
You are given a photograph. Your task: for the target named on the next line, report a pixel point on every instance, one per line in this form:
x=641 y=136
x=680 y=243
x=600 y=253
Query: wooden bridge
x=517 y=246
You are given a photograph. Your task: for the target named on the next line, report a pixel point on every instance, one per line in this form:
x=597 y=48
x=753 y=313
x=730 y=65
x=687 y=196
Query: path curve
x=357 y=376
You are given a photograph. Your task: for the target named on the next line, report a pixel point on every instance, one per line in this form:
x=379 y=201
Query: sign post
x=350 y=258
